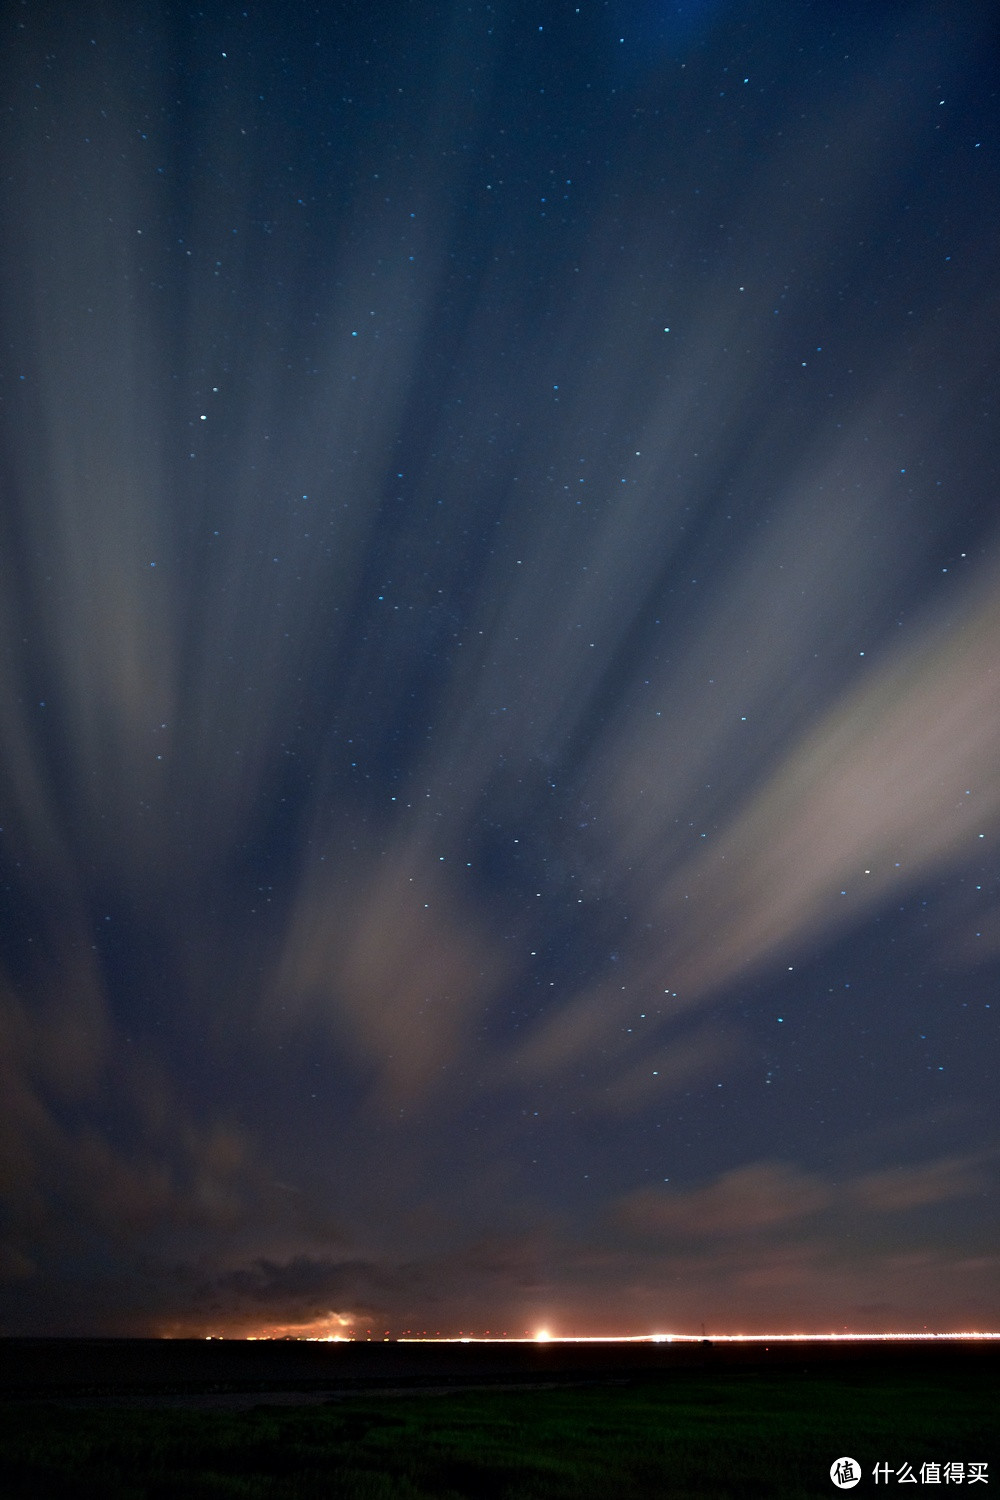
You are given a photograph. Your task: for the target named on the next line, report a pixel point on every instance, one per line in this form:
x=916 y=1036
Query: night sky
x=500 y=701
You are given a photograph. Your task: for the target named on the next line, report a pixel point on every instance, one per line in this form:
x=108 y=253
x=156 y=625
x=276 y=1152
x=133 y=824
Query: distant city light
x=314 y=1334
x=544 y=1336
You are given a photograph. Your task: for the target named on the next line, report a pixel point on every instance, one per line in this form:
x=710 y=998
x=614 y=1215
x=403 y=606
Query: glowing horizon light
x=544 y=1336
x=322 y=1331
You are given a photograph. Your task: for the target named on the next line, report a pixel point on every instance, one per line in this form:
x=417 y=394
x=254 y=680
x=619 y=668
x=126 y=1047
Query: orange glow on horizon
x=320 y=1332
x=332 y=1328
x=543 y=1336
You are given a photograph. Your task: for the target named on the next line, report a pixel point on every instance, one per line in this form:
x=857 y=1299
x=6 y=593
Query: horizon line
x=544 y=1336
x=685 y=1338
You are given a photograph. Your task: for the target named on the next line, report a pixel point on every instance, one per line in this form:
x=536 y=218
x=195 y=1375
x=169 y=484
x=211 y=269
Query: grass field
x=737 y=1434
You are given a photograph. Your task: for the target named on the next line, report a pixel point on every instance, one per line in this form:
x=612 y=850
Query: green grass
x=736 y=1435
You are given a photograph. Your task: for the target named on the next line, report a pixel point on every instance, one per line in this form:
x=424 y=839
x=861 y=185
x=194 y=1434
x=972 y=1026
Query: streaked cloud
x=494 y=602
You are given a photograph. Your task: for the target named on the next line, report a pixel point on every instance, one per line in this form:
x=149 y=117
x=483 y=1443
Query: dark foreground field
x=514 y=1423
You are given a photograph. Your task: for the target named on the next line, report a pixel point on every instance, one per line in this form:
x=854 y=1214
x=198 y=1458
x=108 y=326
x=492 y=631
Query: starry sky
x=500 y=699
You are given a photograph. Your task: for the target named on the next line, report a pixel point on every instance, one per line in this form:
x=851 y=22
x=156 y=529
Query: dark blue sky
x=499 y=581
